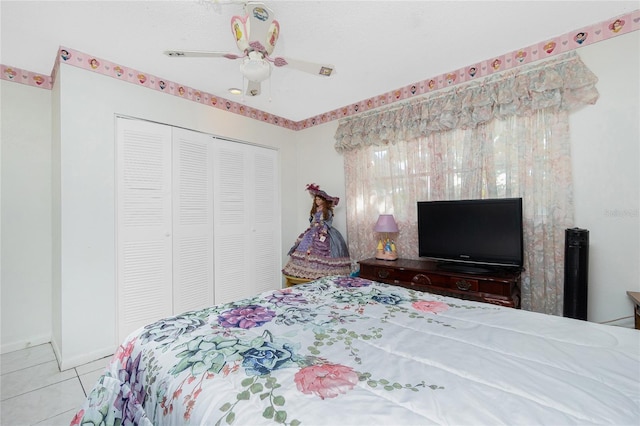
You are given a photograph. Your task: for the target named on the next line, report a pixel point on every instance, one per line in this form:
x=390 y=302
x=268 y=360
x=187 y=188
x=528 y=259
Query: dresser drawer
x=377 y=273
x=500 y=288
x=425 y=281
x=401 y=276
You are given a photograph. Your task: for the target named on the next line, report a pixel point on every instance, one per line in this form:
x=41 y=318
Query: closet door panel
x=266 y=219
x=233 y=258
x=192 y=221
x=143 y=229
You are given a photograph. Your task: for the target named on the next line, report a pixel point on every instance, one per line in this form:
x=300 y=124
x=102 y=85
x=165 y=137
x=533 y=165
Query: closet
x=198 y=221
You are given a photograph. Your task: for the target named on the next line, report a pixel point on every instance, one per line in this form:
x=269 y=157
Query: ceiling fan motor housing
x=255 y=68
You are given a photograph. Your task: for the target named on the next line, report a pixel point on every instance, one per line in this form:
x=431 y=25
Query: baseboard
x=76 y=361
x=56 y=351
x=66 y=364
x=24 y=344
x=627 y=322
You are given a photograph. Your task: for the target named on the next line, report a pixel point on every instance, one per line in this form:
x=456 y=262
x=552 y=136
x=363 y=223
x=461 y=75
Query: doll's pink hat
x=315 y=190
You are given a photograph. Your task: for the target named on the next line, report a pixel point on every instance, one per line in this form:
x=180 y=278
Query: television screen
x=484 y=232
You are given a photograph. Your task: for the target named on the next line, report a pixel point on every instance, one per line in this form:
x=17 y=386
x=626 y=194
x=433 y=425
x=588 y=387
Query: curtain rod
x=466 y=86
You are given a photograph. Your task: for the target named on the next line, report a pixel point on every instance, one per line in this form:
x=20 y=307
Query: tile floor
x=35 y=392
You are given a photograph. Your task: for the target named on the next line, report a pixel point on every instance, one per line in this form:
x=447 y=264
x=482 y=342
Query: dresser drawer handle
x=421 y=279
x=383 y=273
x=463 y=285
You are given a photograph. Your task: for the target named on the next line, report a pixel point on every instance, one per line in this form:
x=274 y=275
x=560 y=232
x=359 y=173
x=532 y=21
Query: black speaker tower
x=576 y=269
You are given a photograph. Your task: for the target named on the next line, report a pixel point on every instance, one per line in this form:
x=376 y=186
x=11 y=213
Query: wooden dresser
x=500 y=288
x=635 y=298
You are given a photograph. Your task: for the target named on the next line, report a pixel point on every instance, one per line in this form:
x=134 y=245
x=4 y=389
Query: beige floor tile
x=98 y=365
x=60 y=420
x=42 y=404
x=25 y=358
x=89 y=380
x=32 y=378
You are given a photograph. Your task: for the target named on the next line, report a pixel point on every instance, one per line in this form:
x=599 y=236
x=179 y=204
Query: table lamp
x=386 y=249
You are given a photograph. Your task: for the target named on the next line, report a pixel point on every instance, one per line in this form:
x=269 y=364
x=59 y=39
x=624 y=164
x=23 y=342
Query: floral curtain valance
x=564 y=83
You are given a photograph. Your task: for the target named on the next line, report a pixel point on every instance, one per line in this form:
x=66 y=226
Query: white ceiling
x=376 y=46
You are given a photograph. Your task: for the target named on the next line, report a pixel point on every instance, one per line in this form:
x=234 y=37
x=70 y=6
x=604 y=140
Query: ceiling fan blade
x=201 y=54
x=253 y=88
x=272 y=37
x=259 y=22
x=325 y=70
x=240 y=32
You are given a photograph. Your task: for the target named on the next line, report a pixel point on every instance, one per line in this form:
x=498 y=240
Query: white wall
x=316 y=162
x=26 y=216
x=606 y=159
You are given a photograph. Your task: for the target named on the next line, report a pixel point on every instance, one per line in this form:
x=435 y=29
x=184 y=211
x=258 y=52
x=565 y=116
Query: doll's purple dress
x=319 y=251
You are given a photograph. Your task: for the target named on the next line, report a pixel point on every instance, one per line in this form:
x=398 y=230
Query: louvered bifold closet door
x=246 y=221
x=192 y=220
x=143 y=224
x=266 y=219
x=231 y=224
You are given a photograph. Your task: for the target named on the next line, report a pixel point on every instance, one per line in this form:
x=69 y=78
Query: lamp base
x=386 y=255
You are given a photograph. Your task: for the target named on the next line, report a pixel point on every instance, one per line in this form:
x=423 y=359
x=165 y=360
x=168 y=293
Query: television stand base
x=464 y=268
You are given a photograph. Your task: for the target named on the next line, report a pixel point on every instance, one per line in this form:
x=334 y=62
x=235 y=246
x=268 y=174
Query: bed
x=349 y=351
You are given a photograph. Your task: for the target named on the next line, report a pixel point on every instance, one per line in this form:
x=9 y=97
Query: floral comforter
x=349 y=351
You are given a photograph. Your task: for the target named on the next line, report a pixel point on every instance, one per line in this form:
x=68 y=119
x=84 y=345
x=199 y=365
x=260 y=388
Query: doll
x=320 y=250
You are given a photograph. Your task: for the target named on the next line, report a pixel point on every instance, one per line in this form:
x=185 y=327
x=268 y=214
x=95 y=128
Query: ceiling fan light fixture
x=255 y=69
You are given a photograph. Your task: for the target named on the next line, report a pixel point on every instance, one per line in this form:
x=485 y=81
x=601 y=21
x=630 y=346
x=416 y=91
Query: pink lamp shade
x=386 y=223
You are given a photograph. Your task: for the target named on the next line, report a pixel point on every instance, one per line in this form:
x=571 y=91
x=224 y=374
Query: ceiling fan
x=256 y=35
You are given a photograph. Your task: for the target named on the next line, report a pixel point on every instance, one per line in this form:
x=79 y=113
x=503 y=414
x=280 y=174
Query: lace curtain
x=505 y=137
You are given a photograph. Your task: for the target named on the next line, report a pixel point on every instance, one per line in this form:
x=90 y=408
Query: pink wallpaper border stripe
x=557 y=45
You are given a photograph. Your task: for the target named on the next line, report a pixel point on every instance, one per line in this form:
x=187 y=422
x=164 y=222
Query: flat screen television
x=474 y=236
